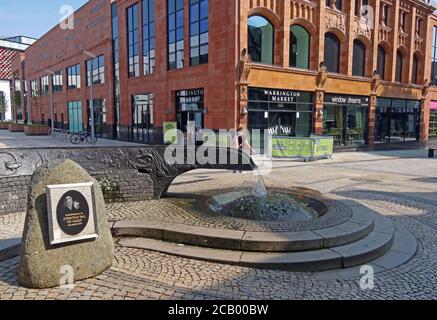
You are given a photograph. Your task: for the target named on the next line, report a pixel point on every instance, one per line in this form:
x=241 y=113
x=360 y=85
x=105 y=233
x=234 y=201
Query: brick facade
x=228 y=36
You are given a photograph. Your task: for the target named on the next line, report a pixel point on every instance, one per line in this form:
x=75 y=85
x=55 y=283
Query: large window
x=73 y=77
x=359 y=59
x=332 y=53
x=75 y=116
x=433 y=123
x=415 y=69
x=346 y=119
x=34 y=92
x=99 y=106
x=133 y=46
x=142 y=118
x=338 y=4
x=397 y=120
x=116 y=68
x=96 y=68
x=199 y=32
x=434 y=58
x=399 y=66
x=175 y=34
x=299 y=47
x=148 y=37
x=261 y=39
x=57 y=81
x=45 y=87
x=381 y=62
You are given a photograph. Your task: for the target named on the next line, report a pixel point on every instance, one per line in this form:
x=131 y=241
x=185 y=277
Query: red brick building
x=356 y=70
x=9 y=49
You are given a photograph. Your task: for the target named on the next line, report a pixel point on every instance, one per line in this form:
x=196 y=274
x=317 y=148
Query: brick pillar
x=13 y=102
x=394 y=40
x=318 y=111
x=424 y=119
x=371 y=121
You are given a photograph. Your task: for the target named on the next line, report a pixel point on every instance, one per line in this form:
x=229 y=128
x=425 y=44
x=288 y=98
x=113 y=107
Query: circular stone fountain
x=249 y=225
x=274 y=205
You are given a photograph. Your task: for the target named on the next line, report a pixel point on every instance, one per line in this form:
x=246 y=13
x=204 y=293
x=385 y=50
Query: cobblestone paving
x=404 y=195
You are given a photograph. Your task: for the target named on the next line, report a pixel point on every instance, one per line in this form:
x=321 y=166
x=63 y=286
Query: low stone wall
x=13 y=194
x=117 y=186
x=36 y=130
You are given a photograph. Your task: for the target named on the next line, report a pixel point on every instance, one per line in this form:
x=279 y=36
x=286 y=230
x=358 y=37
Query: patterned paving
x=393 y=188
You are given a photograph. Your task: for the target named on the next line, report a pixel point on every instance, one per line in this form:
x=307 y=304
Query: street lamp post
x=51 y=100
x=93 y=131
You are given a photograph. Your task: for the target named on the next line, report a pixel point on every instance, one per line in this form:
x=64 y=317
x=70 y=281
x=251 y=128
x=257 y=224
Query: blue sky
x=31 y=18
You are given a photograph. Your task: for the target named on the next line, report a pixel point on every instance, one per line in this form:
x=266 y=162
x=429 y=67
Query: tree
x=3 y=103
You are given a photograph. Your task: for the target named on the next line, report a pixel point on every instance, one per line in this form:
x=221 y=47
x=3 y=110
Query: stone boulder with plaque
x=66 y=228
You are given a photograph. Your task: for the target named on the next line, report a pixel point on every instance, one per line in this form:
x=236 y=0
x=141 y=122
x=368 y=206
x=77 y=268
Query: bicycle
x=80 y=137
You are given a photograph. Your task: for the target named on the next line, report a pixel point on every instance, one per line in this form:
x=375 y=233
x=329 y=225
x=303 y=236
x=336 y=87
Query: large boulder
x=41 y=263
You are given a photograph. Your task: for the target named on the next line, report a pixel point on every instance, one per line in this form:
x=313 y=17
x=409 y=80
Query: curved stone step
x=373 y=246
x=358 y=227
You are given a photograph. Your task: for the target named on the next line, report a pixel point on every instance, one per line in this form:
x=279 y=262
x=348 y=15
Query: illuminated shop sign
x=346 y=100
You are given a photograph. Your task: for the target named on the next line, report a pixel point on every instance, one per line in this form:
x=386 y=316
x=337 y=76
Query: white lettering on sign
x=282 y=95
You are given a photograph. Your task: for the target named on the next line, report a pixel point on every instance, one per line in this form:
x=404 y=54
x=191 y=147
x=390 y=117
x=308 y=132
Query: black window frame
x=329 y=53
x=175 y=35
x=73 y=72
x=44 y=85
x=58 y=81
x=197 y=37
x=359 y=66
x=133 y=40
x=99 y=65
x=148 y=22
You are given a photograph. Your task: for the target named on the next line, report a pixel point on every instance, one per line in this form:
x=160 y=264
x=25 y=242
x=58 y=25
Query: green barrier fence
x=309 y=149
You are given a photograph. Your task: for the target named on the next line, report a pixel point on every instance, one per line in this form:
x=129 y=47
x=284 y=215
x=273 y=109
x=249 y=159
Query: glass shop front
x=433 y=120
x=397 y=120
x=346 y=119
x=281 y=112
x=190 y=108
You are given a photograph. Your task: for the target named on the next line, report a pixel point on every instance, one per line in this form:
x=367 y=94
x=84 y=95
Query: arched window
x=415 y=69
x=299 y=47
x=338 y=4
x=399 y=66
x=332 y=53
x=261 y=39
x=359 y=59
x=381 y=62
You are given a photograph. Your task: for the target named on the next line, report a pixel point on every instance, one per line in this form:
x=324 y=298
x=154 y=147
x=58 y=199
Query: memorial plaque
x=71 y=213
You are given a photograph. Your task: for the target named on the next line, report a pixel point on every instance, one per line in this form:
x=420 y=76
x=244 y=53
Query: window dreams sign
x=71 y=213
x=338 y=99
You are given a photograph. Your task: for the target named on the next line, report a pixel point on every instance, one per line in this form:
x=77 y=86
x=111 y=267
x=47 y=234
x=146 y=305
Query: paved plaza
x=18 y=140
x=401 y=185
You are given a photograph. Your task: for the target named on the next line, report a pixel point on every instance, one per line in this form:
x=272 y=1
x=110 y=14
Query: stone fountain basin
x=295 y=206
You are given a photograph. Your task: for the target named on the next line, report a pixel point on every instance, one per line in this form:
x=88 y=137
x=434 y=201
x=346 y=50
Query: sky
x=32 y=18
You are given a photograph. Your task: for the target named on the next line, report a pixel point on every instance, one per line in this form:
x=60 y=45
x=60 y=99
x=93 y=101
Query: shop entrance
x=190 y=108
x=142 y=118
x=279 y=112
x=346 y=119
x=397 y=120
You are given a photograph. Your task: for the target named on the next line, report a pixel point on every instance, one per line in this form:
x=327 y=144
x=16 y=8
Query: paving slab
x=212 y=255
x=278 y=242
x=345 y=233
x=373 y=246
x=294 y=261
x=9 y=248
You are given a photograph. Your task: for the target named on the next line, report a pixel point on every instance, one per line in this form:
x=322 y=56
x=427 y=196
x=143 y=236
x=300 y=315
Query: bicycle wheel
x=89 y=140
x=75 y=139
